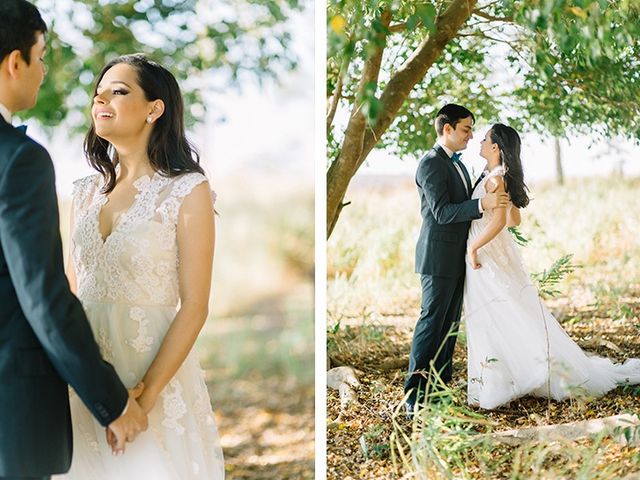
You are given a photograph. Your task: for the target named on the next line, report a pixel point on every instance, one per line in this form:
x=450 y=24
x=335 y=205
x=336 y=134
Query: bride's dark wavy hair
x=509 y=143
x=169 y=151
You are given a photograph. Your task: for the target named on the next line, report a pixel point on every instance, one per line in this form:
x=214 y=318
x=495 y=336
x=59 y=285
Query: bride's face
x=120 y=108
x=488 y=149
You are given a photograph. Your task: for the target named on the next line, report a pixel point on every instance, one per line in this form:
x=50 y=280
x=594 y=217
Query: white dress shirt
x=450 y=152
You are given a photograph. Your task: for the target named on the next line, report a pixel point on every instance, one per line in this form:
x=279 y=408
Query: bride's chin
x=103 y=135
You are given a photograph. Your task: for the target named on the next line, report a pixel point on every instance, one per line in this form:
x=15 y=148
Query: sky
x=252 y=131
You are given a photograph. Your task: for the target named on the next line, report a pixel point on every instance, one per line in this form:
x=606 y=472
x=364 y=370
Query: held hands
x=495 y=200
x=127 y=427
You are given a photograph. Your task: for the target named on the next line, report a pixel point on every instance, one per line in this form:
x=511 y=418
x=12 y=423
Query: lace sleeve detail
x=83 y=191
x=182 y=187
x=496 y=172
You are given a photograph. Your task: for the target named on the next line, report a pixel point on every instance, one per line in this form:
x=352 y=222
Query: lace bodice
x=138 y=262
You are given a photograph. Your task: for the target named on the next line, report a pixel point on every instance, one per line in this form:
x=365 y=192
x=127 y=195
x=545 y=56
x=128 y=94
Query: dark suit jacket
x=45 y=339
x=446 y=213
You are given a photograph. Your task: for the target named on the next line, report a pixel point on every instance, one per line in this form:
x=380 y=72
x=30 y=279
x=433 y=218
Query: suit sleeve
x=30 y=239
x=432 y=179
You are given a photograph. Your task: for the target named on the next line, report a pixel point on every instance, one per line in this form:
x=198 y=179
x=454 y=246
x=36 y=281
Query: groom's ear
x=14 y=61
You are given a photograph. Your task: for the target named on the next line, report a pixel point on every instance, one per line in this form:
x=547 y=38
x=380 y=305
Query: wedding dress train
x=515 y=346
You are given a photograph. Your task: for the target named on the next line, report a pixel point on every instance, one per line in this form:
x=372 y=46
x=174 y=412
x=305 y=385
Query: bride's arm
x=196 y=237
x=495 y=226
x=513 y=216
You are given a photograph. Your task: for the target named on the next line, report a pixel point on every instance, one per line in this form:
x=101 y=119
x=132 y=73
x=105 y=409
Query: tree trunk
x=558 y=152
x=344 y=167
x=358 y=141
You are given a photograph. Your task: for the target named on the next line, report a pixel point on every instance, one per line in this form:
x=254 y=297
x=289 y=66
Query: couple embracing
x=466 y=257
x=142 y=237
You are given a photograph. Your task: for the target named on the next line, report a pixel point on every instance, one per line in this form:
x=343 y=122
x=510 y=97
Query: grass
x=372 y=287
x=371 y=252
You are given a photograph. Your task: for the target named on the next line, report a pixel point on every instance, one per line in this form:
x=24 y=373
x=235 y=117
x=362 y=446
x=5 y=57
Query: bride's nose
x=99 y=99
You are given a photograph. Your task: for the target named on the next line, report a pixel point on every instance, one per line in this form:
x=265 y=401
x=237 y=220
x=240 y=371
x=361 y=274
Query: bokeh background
x=246 y=71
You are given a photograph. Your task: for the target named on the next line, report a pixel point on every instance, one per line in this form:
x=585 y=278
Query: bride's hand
x=473 y=258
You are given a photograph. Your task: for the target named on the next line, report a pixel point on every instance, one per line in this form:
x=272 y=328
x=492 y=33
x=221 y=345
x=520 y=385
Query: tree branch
x=397 y=27
x=400 y=85
x=337 y=94
x=487 y=16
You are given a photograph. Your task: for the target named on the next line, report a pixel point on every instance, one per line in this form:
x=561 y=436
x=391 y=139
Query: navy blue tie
x=22 y=128
x=456 y=157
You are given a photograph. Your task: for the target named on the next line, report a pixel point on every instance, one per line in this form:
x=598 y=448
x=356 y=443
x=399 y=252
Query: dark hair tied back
x=169 y=151
x=509 y=143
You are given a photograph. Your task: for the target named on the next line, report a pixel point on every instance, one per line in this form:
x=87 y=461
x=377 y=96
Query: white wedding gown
x=515 y=346
x=128 y=285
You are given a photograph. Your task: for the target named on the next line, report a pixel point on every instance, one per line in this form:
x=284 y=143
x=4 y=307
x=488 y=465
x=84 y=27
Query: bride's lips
x=103 y=115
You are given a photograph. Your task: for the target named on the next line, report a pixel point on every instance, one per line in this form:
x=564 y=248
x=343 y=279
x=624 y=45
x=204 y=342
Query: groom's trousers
x=435 y=334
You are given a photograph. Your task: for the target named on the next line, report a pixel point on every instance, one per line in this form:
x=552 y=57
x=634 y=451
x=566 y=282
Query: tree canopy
x=235 y=38
x=552 y=66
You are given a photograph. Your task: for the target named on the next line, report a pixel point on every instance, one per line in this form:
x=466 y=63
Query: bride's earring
x=149 y=119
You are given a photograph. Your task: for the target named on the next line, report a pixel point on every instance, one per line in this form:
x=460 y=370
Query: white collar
x=447 y=150
x=6 y=114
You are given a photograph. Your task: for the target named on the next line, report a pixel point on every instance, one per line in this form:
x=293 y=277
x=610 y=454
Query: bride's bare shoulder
x=494 y=184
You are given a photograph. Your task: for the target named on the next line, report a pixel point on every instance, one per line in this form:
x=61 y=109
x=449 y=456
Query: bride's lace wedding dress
x=128 y=285
x=515 y=346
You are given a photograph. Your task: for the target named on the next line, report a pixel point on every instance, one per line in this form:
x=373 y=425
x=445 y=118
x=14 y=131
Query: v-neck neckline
x=139 y=184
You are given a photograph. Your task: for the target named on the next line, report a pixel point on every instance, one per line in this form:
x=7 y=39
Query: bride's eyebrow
x=120 y=81
x=99 y=87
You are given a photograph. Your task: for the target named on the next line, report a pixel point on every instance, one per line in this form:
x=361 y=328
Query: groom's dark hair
x=20 y=22
x=451 y=114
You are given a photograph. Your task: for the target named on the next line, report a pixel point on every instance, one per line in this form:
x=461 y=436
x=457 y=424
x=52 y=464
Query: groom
x=446 y=207
x=45 y=339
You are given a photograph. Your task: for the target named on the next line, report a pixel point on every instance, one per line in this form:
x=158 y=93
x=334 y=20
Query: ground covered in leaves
x=259 y=370
x=359 y=436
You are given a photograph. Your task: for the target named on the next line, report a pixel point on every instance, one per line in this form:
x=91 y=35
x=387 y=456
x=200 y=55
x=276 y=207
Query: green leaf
x=427 y=13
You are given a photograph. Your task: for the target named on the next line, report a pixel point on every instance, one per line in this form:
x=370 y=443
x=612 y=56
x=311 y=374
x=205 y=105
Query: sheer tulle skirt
x=515 y=345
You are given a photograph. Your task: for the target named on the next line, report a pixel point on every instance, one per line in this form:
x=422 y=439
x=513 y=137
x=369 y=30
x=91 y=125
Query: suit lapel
x=478 y=181
x=454 y=170
x=466 y=177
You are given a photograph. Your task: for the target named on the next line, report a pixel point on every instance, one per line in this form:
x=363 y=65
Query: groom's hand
x=495 y=200
x=127 y=427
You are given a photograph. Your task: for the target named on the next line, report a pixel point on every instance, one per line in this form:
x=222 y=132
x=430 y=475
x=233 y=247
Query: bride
x=141 y=255
x=515 y=346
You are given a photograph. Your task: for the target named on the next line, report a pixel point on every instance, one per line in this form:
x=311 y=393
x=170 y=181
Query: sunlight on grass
x=371 y=252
